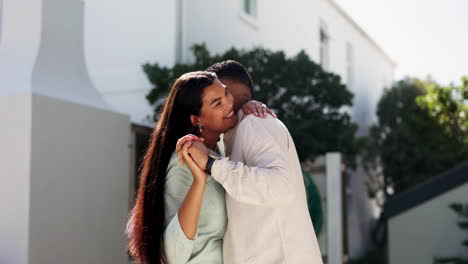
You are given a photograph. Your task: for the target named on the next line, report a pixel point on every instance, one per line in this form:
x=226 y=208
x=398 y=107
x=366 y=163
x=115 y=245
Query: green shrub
x=306 y=98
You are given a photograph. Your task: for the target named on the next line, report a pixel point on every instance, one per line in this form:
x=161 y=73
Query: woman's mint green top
x=207 y=246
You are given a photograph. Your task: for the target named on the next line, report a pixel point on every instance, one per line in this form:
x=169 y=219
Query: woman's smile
x=230 y=115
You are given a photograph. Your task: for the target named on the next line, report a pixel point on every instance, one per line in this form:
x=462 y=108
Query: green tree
x=306 y=98
x=421 y=131
x=448 y=106
x=314 y=203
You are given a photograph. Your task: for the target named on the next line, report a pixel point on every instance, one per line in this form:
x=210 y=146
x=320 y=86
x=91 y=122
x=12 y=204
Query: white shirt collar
x=229 y=135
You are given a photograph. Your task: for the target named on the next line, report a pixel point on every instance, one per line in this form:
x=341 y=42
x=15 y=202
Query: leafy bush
x=306 y=98
x=314 y=203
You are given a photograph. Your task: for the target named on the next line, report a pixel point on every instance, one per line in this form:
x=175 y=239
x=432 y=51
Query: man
x=268 y=219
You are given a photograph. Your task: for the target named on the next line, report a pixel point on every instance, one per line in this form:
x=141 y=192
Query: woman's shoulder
x=176 y=168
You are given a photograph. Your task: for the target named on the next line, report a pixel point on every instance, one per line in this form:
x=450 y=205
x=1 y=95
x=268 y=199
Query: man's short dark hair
x=232 y=70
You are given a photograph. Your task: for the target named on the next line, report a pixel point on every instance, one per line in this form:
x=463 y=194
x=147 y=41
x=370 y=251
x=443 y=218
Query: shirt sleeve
x=177 y=246
x=268 y=180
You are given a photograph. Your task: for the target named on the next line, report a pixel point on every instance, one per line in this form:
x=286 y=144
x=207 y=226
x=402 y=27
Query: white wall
x=64 y=180
x=334 y=208
x=78 y=184
x=292 y=27
x=120 y=36
x=362 y=213
x=428 y=230
x=19 y=44
x=372 y=70
x=1 y=20
x=15 y=157
x=278 y=25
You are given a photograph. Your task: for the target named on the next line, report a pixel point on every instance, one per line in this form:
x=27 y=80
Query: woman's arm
x=189 y=211
x=184 y=196
x=269 y=180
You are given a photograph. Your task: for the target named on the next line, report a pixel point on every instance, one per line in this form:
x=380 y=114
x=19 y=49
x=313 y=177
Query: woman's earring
x=200 y=127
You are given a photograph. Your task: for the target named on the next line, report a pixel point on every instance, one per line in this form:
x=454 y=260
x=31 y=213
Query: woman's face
x=217 y=113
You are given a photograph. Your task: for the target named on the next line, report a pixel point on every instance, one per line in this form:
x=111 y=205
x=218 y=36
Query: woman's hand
x=257 y=108
x=189 y=211
x=181 y=142
x=199 y=175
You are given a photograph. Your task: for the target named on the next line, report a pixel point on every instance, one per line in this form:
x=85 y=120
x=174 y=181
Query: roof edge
x=347 y=17
x=426 y=191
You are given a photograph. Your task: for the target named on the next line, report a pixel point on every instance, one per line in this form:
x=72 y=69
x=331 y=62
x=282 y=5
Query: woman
x=177 y=203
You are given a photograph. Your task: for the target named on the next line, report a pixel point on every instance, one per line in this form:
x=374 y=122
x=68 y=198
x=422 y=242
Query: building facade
x=71 y=83
x=420 y=224
x=120 y=37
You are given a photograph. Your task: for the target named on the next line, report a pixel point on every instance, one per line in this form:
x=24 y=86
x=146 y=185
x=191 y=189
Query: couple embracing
x=220 y=181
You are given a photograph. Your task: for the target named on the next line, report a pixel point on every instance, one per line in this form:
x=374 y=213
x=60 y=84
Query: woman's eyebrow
x=215 y=100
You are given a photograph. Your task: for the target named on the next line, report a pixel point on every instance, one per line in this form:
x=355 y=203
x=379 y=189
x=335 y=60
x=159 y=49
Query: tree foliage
x=306 y=98
x=421 y=131
x=448 y=107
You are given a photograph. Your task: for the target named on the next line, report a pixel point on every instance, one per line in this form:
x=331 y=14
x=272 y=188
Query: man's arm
x=268 y=180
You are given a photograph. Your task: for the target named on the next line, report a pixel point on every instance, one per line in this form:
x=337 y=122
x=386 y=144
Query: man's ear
x=194 y=120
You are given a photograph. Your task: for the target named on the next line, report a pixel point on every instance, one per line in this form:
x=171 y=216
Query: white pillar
x=19 y=44
x=41 y=51
x=334 y=208
x=64 y=154
x=60 y=70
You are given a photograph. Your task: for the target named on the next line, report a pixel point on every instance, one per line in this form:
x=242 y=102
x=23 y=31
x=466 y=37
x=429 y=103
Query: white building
x=420 y=219
x=71 y=82
x=121 y=36
x=320 y=27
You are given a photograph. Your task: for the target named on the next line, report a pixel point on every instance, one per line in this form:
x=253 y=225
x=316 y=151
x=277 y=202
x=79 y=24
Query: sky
x=424 y=37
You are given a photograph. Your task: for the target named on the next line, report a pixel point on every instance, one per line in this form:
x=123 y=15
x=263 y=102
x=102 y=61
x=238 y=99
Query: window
x=250 y=7
x=349 y=64
x=324 y=48
x=248 y=13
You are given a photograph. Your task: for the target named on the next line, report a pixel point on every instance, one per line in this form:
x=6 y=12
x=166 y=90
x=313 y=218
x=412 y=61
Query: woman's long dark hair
x=146 y=224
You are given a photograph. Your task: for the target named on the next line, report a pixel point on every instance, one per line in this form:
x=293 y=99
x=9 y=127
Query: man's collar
x=229 y=135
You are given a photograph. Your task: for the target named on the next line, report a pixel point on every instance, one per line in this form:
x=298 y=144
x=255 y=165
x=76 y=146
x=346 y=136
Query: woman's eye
x=218 y=104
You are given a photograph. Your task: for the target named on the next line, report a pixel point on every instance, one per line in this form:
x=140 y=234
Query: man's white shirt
x=268 y=218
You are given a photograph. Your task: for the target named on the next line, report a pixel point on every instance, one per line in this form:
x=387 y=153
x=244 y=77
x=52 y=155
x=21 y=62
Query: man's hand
x=182 y=141
x=199 y=153
x=257 y=108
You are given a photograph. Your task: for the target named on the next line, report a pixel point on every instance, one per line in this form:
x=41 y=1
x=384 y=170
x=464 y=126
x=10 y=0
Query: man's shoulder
x=258 y=121
x=256 y=127
x=254 y=122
